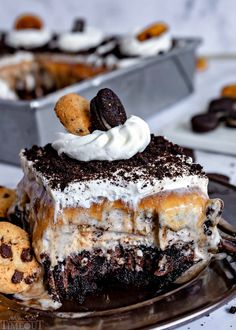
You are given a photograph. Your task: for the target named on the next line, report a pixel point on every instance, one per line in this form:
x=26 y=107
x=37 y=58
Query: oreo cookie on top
x=106 y=110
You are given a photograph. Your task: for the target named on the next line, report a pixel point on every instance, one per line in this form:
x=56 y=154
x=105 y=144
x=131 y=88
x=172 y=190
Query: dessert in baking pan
x=61 y=59
x=110 y=202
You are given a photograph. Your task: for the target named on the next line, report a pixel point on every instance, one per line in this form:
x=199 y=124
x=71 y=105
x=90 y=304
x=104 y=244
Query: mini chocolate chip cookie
x=229 y=91
x=18 y=266
x=74 y=113
x=152 y=31
x=7 y=198
x=28 y=21
x=205 y=122
x=201 y=64
x=107 y=111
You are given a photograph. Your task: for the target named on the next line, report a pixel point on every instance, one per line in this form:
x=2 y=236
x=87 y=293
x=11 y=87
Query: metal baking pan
x=144 y=88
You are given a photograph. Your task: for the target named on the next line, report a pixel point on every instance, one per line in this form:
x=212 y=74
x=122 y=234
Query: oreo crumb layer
x=161 y=159
x=72 y=279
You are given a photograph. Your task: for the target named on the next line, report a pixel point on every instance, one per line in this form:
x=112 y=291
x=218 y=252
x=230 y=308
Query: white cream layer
x=16 y=59
x=79 y=41
x=28 y=38
x=131 y=46
x=120 y=142
x=84 y=194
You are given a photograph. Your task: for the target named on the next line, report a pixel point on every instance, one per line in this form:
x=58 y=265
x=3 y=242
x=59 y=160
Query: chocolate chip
x=17 y=277
x=221 y=107
x=231 y=119
x=107 y=110
x=6 y=195
x=78 y=25
x=26 y=255
x=29 y=279
x=5 y=251
x=205 y=122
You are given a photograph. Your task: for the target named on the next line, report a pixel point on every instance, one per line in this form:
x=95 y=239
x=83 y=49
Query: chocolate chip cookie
x=74 y=113
x=7 y=198
x=28 y=22
x=154 y=30
x=18 y=266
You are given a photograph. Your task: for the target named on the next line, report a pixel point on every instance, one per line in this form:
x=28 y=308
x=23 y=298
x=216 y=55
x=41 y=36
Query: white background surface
x=214 y=20
x=225 y=164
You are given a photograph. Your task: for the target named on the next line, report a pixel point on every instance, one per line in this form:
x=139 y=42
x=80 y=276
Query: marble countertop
x=207 y=86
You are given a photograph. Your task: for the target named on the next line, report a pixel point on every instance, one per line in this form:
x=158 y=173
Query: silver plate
x=129 y=309
x=145 y=88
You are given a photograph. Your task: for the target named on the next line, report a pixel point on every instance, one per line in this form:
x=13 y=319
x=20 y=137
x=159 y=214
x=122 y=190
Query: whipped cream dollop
x=120 y=142
x=79 y=41
x=131 y=46
x=28 y=38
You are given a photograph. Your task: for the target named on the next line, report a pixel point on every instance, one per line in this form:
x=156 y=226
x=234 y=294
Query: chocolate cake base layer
x=91 y=271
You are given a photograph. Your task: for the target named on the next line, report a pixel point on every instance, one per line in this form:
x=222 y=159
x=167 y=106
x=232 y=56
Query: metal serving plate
x=131 y=309
x=145 y=88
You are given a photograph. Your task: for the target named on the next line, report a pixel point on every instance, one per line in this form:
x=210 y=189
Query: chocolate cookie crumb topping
x=161 y=159
x=26 y=255
x=5 y=251
x=17 y=277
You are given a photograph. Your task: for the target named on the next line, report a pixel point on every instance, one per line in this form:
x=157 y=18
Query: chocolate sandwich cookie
x=107 y=111
x=231 y=119
x=205 y=122
x=221 y=107
x=78 y=25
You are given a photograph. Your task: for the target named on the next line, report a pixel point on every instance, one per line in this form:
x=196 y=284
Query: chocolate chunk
x=29 y=279
x=231 y=119
x=232 y=309
x=17 y=277
x=205 y=122
x=6 y=195
x=26 y=255
x=221 y=107
x=5 y=251
x=78 y=25
x=106 y=110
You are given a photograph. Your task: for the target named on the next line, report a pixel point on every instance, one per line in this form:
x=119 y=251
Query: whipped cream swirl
x=79 y=41
x=120 y=142
x=131 y=46
x=28 y=38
